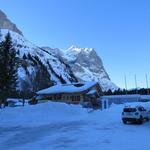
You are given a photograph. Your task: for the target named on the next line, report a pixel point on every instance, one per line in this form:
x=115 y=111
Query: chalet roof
x=67 y=88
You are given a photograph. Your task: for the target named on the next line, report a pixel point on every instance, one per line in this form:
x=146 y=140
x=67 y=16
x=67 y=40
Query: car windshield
x=129 y=109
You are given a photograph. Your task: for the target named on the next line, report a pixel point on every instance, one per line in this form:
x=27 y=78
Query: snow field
x=58 y=126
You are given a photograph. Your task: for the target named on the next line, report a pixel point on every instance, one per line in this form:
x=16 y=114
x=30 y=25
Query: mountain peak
x=73 y=47
x=77 y=49
x=5 y=23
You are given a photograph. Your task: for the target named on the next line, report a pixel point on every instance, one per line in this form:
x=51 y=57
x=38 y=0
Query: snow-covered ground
x=58 y=126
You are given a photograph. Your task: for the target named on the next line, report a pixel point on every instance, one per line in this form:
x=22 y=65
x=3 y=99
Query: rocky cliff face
x=88 y=66
x=5 y=23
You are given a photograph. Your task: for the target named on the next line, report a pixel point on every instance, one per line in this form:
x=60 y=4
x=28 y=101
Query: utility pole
x=147 y=85
x=136 y=84
x=125 y=80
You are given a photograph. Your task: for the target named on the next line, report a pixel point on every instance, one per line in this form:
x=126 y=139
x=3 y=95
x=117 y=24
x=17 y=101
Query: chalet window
x=55 y=97
x=50 y=98
x=75 y=98
x=78 y=98
x=59 y=96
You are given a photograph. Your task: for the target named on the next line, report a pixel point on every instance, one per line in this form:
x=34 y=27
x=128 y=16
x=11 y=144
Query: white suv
x=135 y=114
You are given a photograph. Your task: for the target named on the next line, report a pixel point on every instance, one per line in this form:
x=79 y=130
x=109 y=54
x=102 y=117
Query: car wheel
x=140 y=121
x=124 y=121
x=147 y=119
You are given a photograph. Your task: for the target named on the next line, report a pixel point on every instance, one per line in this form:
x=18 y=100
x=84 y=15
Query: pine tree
x=8 y=68
x=24 y=56
x=42 y=78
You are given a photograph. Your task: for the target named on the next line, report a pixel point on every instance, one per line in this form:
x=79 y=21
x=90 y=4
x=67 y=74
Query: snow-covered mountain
x=88 y=66
x=40 y=67
x=85 y=64
x=36 y=65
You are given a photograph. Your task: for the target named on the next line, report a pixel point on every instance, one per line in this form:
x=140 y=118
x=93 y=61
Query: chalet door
x=105 y=104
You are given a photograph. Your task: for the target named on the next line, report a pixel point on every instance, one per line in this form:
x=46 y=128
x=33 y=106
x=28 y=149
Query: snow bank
x=34 y=115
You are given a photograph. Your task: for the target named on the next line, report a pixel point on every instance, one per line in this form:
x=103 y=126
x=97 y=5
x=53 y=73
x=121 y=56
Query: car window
x=129 y=109
x=140 y=109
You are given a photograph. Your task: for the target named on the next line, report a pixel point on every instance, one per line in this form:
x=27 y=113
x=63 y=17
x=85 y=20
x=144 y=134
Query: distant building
x=72 y=93
x=119 y=99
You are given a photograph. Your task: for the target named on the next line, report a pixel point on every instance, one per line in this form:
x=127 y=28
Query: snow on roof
x=91 y=92
x=67 y=88
x=13 y=100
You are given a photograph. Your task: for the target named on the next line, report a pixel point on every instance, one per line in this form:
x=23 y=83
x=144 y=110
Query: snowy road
x=96 y=130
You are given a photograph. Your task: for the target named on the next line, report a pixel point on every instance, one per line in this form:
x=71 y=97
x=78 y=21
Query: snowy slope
x=57 y=69
x=56 y=126
x=88 y=66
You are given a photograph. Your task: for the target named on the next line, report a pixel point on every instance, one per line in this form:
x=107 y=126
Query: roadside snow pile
x=34 y=115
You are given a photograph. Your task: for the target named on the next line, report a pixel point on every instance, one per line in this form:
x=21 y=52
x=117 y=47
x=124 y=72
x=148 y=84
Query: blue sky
x=119 y=30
